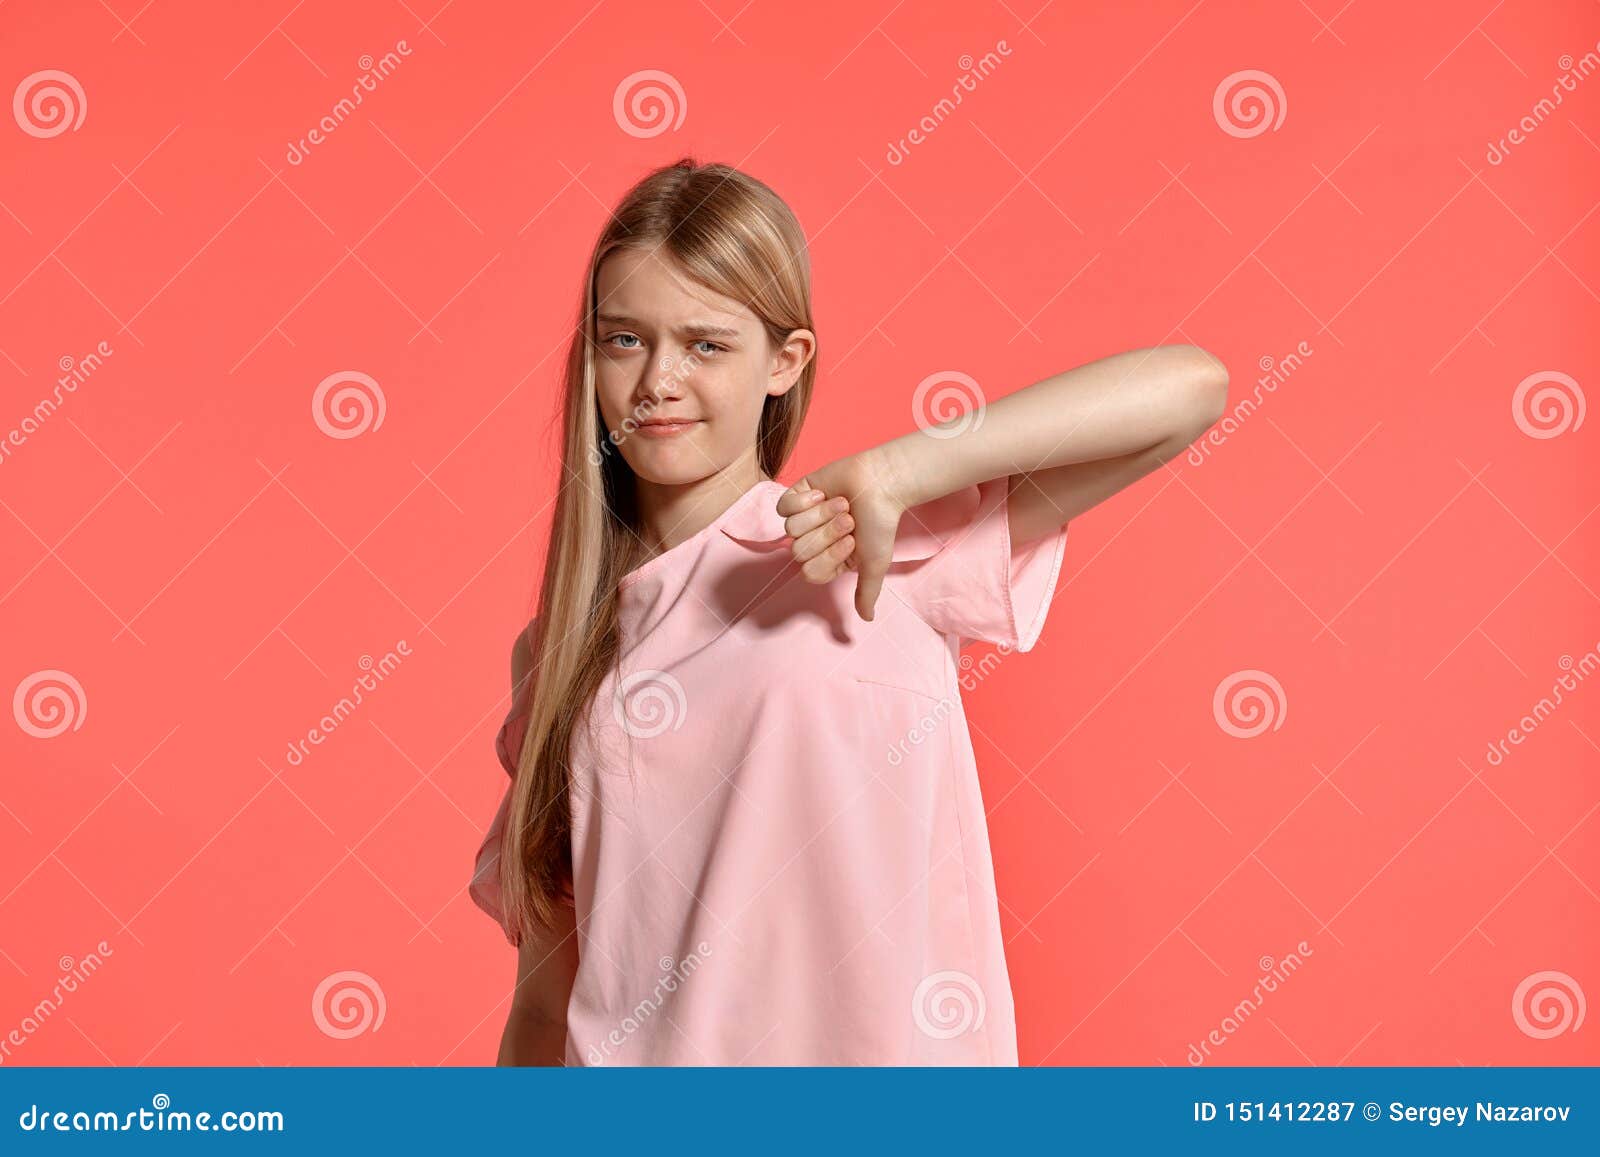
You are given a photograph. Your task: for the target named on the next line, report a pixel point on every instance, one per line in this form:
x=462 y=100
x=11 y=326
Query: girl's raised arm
x=1077 y=437
x=1073 y=440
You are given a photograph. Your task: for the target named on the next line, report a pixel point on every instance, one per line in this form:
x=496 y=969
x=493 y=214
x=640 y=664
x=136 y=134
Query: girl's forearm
x=1115 y=406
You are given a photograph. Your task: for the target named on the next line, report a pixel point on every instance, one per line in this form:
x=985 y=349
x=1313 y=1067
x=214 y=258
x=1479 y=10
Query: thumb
x=791 y=501
x=868 y=586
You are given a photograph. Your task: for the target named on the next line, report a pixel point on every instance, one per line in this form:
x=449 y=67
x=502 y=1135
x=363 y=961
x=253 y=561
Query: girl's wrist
x=905 y=469
x=886 y=474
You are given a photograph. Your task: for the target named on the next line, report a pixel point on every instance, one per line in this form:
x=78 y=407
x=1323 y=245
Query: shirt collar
x=754 y=520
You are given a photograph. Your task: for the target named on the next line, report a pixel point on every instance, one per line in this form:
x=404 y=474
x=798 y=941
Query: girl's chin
x=664 y=466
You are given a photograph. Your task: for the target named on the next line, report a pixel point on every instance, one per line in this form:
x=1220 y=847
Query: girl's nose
x=667 y=378
x=674 y=367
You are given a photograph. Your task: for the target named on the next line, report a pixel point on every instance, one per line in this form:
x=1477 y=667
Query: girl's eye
x=704 y=346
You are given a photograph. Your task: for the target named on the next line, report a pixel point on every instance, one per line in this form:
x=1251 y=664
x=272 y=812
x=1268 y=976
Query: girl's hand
x=858 y=535
x=819 y=533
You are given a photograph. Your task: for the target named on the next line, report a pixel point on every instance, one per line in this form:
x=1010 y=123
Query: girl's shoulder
x=508 y=740
x=522 y=656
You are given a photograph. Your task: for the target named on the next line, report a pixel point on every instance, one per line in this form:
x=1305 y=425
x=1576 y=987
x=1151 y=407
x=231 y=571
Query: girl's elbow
x=1204 y=387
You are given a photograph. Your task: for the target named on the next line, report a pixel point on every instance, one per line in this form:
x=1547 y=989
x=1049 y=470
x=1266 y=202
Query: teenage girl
x=743 y=823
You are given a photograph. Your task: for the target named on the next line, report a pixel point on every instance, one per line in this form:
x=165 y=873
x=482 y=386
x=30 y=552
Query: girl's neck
x=670 y=514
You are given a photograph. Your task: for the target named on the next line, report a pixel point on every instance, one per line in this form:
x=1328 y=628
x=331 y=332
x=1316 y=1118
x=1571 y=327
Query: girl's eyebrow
x=688 y=329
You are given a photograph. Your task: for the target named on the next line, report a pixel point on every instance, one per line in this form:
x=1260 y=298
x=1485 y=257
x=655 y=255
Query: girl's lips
x=665 y=429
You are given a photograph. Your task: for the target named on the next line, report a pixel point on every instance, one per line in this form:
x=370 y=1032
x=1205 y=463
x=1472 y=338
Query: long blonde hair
x=734 y=235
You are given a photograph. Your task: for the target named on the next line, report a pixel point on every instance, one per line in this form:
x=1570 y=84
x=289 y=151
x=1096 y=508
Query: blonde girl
x=742 y=824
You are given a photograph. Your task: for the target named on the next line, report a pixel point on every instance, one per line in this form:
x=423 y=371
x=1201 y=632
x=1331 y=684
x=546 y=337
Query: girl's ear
x=792 y=357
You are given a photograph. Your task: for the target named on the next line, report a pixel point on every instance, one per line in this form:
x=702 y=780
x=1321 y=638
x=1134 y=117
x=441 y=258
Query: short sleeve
x=484 y=887
x=958 y=569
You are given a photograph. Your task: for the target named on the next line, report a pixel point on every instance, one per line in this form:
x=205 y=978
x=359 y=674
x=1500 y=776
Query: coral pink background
x=1382 y=536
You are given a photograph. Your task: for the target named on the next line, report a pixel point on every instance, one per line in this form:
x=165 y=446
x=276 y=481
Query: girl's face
x=671 y=350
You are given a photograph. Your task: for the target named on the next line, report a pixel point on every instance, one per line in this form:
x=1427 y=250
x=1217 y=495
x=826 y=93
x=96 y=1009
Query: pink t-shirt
x=779 y=846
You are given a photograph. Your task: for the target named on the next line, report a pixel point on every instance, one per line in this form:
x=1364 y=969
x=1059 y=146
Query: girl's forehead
x=652 y=288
